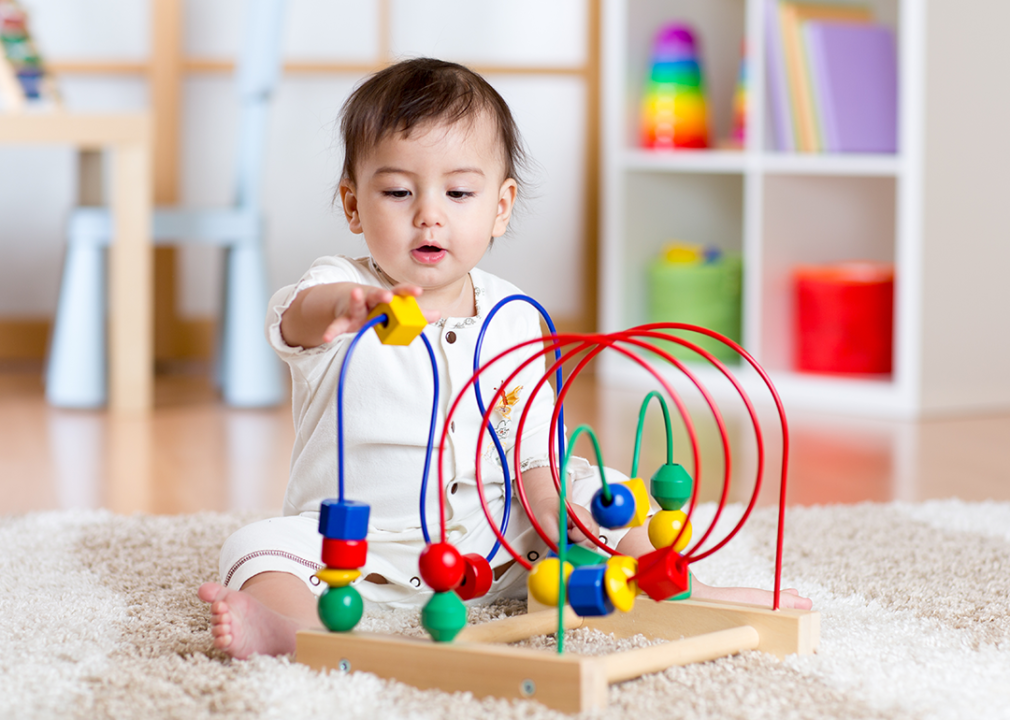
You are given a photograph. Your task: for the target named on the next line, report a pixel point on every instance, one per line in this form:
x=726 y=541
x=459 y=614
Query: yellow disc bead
x=543 y=580
x=665 y=525
x=621 y=589
x=335 y=577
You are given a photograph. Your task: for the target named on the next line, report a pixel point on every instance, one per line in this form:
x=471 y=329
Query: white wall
x=543 y=251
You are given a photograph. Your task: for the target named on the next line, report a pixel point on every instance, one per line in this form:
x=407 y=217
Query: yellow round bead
x=665 y=525
x=621 y=589
x=335 y=577
x=543 y=580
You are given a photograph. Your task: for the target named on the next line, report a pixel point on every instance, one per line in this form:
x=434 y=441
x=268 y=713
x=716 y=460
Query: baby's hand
x=547 y=515
x=350 y=314
x=574 y=534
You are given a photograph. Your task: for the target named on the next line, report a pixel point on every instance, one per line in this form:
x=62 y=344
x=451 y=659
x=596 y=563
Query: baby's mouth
x=428 y=253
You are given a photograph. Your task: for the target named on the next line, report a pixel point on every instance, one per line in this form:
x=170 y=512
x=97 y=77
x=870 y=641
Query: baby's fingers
x=348 y=318
x=405 y=289
x=373 y=297
x=408 y=290
x=576 y=534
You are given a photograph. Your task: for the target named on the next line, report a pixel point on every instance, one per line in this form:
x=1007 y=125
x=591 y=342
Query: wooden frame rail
x=477 y=662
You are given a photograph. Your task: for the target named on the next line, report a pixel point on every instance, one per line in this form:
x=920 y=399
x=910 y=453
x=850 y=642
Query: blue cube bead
x=587 y=593
x=343 y=519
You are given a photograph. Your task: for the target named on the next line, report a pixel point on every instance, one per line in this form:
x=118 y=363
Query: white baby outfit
x=387 y=410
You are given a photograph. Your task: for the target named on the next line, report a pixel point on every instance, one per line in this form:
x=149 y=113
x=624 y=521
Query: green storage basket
x=705 y=294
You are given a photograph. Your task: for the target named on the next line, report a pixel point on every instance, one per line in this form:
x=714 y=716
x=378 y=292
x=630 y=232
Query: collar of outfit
x=453 y=323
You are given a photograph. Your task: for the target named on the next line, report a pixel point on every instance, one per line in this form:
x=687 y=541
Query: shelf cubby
x=927 y=209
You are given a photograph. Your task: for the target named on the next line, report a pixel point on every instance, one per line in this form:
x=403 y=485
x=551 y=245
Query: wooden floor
x=195 y=454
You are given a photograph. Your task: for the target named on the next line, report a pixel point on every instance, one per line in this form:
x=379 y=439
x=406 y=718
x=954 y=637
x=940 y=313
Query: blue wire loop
x=431 y=437
x=480 y=403
x=379 y=319
x=382 y=319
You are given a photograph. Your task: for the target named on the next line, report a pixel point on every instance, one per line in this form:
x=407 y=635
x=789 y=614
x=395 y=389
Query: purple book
x=855 y=85
x=775 y=73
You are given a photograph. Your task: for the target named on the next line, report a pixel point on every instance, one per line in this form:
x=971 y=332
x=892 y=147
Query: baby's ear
x=506 y=201
x=349 y=201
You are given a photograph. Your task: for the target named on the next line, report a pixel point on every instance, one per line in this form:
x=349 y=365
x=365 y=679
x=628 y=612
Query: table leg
x=131 y=335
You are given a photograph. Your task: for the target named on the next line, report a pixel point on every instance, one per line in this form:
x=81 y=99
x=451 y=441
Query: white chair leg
x=76 y=370
x=250 y=371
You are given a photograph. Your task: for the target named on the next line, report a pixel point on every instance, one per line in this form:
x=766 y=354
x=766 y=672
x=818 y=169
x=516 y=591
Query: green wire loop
x=641 y=424
x=563 y=519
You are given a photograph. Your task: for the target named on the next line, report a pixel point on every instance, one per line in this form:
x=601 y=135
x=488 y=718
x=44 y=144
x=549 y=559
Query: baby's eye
x=399 y=194
x=460 y=194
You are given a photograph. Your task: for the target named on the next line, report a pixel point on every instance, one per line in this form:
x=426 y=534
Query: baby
x=431 y=176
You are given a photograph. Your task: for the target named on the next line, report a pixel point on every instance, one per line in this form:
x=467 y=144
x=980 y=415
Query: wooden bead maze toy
x=574 y=586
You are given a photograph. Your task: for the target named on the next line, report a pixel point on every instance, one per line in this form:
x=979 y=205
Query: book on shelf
x=855 y=84
x=797 y=92
x=775 y=71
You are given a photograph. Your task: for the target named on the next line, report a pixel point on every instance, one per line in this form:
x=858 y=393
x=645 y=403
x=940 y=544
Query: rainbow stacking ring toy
x=674 y=113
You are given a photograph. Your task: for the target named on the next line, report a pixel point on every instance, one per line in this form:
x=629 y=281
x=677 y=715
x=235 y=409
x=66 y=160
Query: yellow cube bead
x=665 y=525
x=335 y=577
x=543 y=580
x=642 y=507
x=404 y=320
x=621 y=589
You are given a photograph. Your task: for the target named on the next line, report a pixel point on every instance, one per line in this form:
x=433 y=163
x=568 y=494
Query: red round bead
x=441 y=566
x=344 y=554
x=477 y=577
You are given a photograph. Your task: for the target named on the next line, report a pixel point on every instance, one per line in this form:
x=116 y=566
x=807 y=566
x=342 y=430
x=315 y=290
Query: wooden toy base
x=695 y=630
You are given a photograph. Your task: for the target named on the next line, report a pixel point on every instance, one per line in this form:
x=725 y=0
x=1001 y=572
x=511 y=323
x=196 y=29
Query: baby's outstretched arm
x=322 y=312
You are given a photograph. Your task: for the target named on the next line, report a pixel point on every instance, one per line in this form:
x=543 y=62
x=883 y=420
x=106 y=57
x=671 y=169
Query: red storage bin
x=844 y=318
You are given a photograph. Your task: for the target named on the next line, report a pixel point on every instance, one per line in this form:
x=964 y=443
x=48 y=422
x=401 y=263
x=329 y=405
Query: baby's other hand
x=574 y=534
x=547 y=514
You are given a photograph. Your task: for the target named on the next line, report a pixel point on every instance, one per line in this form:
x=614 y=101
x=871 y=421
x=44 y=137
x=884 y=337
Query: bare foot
x=789 y=598
x=242 y=625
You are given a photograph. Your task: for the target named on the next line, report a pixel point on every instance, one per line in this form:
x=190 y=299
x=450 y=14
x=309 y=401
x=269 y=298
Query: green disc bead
x=340 y=608
x=671 y=486
x=444 y=616
x=579 y=556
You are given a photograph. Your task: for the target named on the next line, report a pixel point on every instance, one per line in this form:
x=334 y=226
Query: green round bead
x=671 y=486
x=340 y=608
x=444 y=616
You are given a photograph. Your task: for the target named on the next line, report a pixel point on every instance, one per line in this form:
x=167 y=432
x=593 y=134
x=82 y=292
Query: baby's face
x=429 y=204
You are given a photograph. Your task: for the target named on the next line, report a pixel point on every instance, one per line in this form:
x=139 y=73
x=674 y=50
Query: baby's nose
x=429 y=213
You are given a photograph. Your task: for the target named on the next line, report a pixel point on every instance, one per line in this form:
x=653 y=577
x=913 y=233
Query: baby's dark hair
x=414 y=92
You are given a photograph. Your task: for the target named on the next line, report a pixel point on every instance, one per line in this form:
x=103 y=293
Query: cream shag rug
x=99 y=618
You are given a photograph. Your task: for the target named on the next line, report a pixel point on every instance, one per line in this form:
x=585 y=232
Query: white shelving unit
x=915 y=208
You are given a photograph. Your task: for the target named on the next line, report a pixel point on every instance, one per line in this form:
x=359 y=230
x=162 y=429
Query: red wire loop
x=590 y=346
